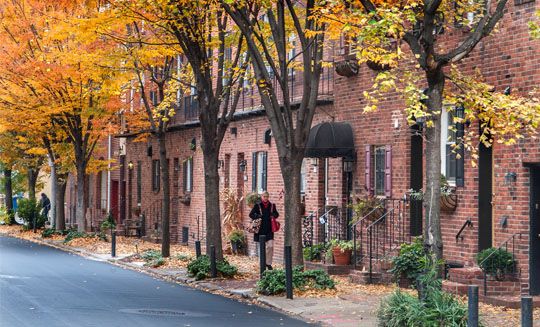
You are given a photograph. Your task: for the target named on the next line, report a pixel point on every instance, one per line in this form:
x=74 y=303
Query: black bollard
x=288 y=272
x=472 y=321
x=262 y=253
x=197 y=248
x=213 y=266
x=526 y=311
x=113 y=243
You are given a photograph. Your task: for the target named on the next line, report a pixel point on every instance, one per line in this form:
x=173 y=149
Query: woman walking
x=266 y=211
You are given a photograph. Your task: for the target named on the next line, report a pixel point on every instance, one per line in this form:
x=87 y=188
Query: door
x=534 y=246
x=485 y=210
x=416 y=180
x=114 y=199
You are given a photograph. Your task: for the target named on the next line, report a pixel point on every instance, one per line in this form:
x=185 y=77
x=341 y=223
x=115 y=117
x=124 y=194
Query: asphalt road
x=42 y=286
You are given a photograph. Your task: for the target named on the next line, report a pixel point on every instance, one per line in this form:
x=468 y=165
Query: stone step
x=362 y=277
x=454 y=287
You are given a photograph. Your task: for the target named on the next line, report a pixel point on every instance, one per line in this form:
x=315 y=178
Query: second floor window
x=188 y=175
x=378 y=170
x=259 y=171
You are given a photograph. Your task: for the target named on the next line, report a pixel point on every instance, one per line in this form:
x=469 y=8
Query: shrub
x=73 y=234
x=153 y=258
x=237 y=236
x=5 y=219
x=183 y=257
x=435 y=308
x=496 y=262
x=28 y=209
x=49 y=232
x=408 y=262
x=108 y=223
x=273 y=281
x=314 y=252
x=200 y=268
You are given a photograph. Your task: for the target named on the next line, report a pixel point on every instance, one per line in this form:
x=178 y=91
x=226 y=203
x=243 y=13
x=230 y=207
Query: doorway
x=534 y=238
x=485 y=197
x=114 y=199
x=416 y=180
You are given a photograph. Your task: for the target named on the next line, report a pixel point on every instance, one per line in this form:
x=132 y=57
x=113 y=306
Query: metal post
x=213 y=267
x=526 y=311
x=34 y=222
x=472 y=320
x=262 y=253
x=197 y=248
x=113 y=243
x=288 y=272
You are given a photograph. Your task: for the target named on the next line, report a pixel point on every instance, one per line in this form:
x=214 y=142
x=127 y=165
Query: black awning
x=330 y=140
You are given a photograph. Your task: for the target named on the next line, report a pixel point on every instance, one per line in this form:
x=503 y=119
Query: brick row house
x=354 y=154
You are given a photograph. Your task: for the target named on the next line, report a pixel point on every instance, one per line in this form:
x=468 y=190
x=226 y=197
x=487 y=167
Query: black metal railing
x=375 y=220
x=510 y=242
x=191 y=107
x=468 y=223
x=152 y=218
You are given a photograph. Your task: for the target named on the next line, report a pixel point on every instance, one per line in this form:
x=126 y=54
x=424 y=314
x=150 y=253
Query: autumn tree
x=269 y=28
x=214 y=52
x=63 y=82
x=410 y=41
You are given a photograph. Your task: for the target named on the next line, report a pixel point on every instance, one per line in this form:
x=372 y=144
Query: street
x=43 y=286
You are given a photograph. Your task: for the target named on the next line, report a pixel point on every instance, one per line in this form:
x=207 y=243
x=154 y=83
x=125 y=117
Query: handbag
x=255 y=225
x=275 y=224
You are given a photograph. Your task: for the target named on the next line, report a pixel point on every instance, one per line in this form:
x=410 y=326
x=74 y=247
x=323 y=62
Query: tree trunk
x=211 y=190
x=290 y=169
x=81 y=205
x=61 y=185
x=32 y=181
x=432 y=228
x=166 y=204
x=8 y=188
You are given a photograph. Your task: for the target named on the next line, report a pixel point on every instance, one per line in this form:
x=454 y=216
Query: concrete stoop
x=460 y=278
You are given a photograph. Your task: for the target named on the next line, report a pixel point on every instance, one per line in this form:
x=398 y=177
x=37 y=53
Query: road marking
x=13 y=277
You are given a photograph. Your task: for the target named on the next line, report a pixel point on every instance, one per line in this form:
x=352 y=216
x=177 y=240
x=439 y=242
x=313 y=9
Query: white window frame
x=376 y=191
x=260 y=171
x=445 y=133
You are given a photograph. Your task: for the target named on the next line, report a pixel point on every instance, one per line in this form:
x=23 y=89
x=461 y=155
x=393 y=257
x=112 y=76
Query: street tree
x=270 y=28
x=411 y=43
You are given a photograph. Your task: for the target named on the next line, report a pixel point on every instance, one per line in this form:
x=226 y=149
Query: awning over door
x=330 y=139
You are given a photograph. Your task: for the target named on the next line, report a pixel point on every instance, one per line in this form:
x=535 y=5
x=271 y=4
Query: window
x=139 y=182
x=291 y=54
x=155 y=175
x=379 y=167
x=378 y=170
x=259 y=171
x=303 y=177
x=188 y=175
x=103 y=189
x=451 y=133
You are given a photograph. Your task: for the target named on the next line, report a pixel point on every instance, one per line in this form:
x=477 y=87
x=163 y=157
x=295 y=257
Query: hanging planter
x=347 y=67
x=185 y=199
x=449 y=202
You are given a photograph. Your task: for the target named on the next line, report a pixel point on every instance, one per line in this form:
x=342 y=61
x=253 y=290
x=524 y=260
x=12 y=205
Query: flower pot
x=342 y=258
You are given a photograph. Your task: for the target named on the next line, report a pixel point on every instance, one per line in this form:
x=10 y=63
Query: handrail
x=370 y=240
x=326 y=215
x=505 y=245
x=469 y=223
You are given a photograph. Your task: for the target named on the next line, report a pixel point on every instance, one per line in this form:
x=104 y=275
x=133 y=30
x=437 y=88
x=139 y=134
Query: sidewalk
x=350 y=305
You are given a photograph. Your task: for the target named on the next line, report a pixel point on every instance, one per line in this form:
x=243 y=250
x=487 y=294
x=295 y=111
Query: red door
x=114 y=200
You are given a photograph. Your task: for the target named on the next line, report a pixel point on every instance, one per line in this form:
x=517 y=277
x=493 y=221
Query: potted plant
x=367 y=205
x=237 y=239
x=408 y=264
x=108 y=224
x=342 y=251
x=496 y=262
x=252 y=198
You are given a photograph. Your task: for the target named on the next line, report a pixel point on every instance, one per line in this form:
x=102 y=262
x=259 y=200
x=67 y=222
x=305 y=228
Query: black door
x=416 y=180
x=534 y=247
x=485 y=180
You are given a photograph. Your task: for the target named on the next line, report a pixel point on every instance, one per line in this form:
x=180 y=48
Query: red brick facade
x=510 y=58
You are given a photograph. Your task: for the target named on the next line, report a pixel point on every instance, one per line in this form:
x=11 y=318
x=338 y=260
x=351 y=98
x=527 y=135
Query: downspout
x=109 y=155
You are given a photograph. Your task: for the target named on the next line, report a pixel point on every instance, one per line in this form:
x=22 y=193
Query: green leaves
x=273 y=281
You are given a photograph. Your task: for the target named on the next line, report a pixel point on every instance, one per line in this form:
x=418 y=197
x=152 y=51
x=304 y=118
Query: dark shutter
x=264 y=170
x=139 y=181
x=254 y=172
x=367 y=166
x=388 y=171
x=460 y=162
x=191 y=174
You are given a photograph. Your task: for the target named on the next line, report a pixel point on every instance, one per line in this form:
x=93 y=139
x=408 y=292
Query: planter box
x=342 y=258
